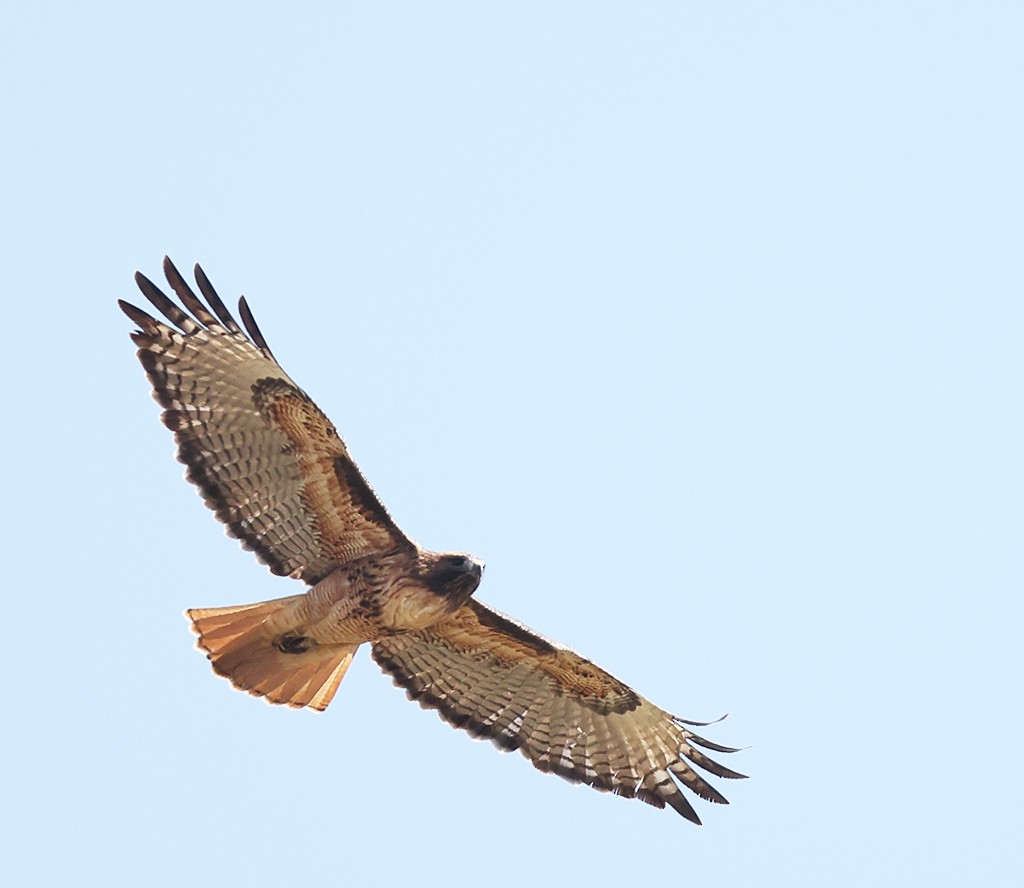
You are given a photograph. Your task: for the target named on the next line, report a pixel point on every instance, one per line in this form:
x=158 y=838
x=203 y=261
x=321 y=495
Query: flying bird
x=273 y=468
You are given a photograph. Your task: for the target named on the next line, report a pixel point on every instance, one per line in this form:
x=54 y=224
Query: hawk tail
x=252 y=649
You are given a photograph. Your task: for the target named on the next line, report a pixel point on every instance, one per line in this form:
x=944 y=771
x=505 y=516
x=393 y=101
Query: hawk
x=275 y=471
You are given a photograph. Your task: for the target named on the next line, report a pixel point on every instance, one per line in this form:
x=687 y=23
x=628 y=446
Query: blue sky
x=700 y=323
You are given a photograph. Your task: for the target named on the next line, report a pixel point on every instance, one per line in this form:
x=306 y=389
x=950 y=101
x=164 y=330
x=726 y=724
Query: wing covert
x=264 y=457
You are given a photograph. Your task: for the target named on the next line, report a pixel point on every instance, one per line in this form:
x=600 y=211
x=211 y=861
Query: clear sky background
x=700 y=323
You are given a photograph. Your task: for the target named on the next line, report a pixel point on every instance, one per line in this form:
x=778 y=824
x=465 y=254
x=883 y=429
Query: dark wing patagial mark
x=265 y=458
x=361 y=496
x=350 y=521
x=497 y=679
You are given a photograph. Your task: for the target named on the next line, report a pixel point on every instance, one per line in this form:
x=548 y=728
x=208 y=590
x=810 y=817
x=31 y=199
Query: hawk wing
x=263 y=455
x=499 y=680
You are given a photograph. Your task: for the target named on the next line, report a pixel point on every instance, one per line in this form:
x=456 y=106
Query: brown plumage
x=276 y=472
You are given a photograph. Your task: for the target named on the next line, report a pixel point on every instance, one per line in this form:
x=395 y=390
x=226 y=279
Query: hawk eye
x=457 y=560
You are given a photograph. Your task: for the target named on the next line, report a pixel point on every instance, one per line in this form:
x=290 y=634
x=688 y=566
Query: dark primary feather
x=206 y=288
x=250 y=325
x=188 y=298
x=164 y=305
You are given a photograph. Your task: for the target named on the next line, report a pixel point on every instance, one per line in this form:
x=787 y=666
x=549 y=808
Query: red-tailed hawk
x=275 y=471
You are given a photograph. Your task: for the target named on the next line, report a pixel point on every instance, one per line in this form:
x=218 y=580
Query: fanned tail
x=257 y=650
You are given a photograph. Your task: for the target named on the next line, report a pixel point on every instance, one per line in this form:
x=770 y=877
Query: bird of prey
x=274 y=470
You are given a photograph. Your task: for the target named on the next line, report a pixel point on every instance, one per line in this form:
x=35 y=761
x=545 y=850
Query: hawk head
x=453 y=576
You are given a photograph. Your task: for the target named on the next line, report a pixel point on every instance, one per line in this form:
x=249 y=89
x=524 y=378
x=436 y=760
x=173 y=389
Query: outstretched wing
x=499 y=680
x=265 y=458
